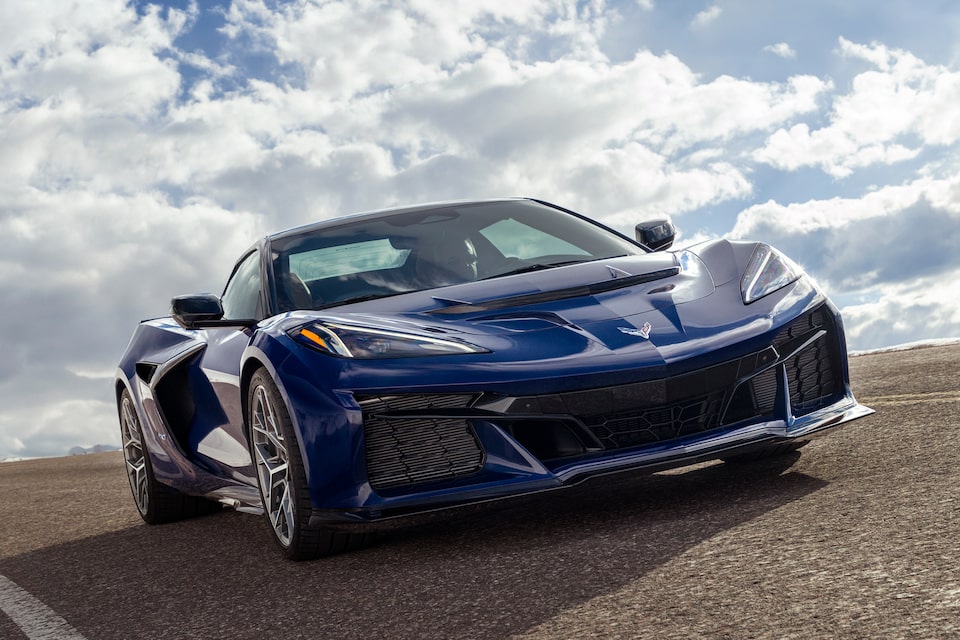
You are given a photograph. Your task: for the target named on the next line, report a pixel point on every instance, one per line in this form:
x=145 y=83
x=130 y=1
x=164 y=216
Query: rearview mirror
x=656 y=235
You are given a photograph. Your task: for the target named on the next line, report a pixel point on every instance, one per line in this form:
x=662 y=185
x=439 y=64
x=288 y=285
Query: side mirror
x=192 y=310
x=656 y=235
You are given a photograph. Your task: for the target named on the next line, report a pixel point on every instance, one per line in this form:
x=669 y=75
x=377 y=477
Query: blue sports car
x=393 y=363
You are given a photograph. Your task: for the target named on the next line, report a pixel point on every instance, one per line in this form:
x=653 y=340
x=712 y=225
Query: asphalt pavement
x=858 y=536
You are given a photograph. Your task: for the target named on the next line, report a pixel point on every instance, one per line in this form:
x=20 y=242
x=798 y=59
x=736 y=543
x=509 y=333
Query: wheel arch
x=264 y=356
x=119 y=386
x=250 y=366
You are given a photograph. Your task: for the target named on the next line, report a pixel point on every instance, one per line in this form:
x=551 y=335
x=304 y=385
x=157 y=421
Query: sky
x=144 y=146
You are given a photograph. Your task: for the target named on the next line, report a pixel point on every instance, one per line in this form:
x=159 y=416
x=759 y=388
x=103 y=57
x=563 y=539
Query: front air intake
x=404 y=448
x=813 y=375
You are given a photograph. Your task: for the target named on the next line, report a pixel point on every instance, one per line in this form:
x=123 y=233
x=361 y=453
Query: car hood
x=687 y=314
x=632 y=302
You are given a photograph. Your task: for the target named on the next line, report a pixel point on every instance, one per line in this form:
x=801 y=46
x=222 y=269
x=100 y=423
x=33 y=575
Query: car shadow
x=487 y=574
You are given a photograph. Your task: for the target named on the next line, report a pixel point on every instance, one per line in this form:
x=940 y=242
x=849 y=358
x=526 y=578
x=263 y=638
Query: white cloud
x=889 y=108
x=833 y=214
x=99 y=57
x=491 y=111
x=781 y=49
x=921 y=309
x=49 y=430
x=706 y=17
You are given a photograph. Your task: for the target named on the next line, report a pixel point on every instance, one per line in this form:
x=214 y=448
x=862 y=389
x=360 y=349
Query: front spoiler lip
x=730 y=443
x=727 y=443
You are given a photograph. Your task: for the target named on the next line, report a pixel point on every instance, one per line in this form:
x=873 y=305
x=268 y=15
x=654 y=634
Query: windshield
x=416 y=250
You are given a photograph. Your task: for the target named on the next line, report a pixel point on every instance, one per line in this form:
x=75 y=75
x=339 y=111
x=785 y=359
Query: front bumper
x=736 y=442
x=426 y=452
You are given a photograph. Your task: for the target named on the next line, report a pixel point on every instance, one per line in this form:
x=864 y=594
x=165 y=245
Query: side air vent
x=176 y=401
x=145 y=371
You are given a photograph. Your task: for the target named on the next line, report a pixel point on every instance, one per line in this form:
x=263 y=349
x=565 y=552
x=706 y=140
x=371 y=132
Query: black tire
x=771 y=451
x=156 y=502
x=284 y=492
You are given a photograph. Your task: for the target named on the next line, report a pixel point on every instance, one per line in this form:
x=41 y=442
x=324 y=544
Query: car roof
x=381 y=213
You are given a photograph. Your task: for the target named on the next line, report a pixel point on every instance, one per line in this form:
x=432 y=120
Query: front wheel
x=282 y=479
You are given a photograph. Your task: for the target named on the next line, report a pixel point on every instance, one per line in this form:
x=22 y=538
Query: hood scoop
x=621 y=279
x=524 y=320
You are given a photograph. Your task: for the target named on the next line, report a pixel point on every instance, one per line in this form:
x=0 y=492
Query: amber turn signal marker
x=310 y=335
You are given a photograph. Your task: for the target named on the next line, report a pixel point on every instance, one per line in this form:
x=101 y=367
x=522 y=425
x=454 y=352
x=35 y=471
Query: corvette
x=382 y=365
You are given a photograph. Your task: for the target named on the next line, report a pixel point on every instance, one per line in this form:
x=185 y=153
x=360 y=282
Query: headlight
x=356 y=341
x=768 y=271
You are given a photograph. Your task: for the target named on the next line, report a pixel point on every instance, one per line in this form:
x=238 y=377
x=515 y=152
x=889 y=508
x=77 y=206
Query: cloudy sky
x=143 y=146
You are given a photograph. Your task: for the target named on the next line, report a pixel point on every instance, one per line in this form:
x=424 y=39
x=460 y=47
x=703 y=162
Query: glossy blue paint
x=572 y=336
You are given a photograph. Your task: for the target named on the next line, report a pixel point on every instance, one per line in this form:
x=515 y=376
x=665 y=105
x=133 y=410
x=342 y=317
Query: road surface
x=858 y=537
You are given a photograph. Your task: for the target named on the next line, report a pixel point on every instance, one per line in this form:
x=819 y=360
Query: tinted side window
x=241 y=298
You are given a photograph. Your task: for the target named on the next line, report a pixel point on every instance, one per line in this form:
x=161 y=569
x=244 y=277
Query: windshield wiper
x=537 y=266
x=363 y=298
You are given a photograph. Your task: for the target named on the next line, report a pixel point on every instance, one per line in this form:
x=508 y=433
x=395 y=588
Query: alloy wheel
x=133 y=455
x=273 y=468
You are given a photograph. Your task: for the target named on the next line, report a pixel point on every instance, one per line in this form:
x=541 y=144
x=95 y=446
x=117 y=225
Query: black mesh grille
x=414 y=402
x=656 y=424
x=816 y=319
x=813 y=376
x=641 y=413
x=765 y=391
x=408 y=450
x=753 y=399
